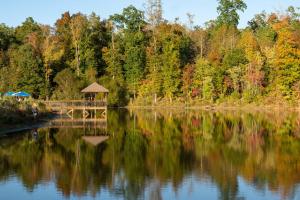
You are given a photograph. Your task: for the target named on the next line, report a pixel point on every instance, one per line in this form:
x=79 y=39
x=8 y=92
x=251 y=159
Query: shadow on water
x=145 y=154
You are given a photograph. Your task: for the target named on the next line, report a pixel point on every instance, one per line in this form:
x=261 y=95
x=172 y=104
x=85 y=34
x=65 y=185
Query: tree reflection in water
x=148 y=150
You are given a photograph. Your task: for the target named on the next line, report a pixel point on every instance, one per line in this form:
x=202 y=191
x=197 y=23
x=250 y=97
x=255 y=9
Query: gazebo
x=88 y=106
x=93 y=90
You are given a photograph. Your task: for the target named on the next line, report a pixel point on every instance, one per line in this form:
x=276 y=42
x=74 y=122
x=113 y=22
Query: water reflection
x=160 y=155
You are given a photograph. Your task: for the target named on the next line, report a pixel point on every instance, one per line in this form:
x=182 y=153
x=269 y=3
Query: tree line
x=139 y=55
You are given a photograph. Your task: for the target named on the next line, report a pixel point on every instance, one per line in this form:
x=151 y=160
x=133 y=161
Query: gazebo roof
x=95 y=88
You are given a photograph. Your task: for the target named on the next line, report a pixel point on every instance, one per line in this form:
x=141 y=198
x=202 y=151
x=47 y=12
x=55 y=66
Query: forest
x=140 y=56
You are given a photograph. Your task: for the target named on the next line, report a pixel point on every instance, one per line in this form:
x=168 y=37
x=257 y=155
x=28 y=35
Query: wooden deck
x=75 y=104
x=89 y=109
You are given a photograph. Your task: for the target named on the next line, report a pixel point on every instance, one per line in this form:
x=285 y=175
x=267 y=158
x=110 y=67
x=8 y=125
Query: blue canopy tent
x=9 y=94
x=21 y=94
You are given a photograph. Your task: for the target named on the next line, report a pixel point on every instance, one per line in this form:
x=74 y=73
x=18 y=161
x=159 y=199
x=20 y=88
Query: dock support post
x=70 y=113
x=85 y=113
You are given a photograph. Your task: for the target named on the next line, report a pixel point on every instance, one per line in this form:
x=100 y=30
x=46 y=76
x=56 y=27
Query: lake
x=163 y=154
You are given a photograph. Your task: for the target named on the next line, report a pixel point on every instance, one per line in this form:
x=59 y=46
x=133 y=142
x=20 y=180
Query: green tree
x=153 y=83
x=134 y=60
x=259 y=21
x=113 y=59
x=78 y=27
x=202 y=80
x=7 y=37
x=118 y=95
x=292 y=13
x=112 y=55
x=171 y=69
x=68 y=85
x=234 y=58
x=27 y=70
x=97 y=39
x=131 y=21
x=28 y=26
x=228 y=11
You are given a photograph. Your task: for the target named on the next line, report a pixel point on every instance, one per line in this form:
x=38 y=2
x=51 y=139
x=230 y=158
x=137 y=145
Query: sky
x=14 y=12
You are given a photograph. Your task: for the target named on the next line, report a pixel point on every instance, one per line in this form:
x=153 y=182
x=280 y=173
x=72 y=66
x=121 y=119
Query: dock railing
x=75 y=104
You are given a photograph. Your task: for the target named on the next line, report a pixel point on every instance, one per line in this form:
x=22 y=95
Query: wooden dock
x=89 y=109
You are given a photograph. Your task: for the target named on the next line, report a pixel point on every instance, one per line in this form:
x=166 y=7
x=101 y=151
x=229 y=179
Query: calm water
x=158 y=155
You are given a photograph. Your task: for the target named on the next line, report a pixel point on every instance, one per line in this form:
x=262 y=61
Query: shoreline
x=9 y=128
x=245 y=108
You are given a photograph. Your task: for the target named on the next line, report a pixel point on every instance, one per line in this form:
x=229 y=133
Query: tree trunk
x=77 y=60
x=201 y=47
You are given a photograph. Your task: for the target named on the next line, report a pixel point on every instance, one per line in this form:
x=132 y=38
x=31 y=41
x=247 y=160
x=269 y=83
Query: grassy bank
x=14 y=114
x=225 y=104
